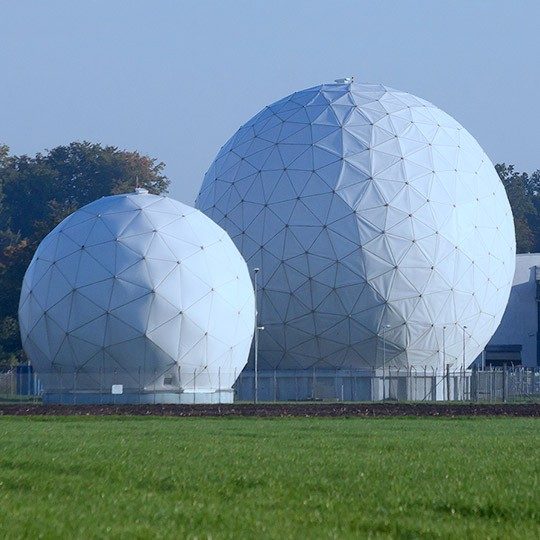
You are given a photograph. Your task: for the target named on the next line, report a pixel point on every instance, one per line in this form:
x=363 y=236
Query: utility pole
x=464 y=365
x=385 y=328
x=256 y=345
x=444 y=360
x=464 y=332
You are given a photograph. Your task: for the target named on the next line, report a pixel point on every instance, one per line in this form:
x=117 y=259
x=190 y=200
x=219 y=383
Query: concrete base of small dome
x=136 y=398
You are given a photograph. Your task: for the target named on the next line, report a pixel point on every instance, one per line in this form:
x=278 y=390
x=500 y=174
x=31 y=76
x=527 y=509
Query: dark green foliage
x=36 y=193
x=269 y=478
x=523 y=192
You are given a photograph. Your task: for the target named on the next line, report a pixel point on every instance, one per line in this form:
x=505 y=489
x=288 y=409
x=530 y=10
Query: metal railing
x=491 y=385
x=510 y=384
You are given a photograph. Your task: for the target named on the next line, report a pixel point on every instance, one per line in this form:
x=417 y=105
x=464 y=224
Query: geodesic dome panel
x=139 y=290
x=381 y=228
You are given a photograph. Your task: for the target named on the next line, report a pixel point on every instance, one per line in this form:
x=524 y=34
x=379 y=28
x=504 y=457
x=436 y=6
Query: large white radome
x=369 y=211
x=138 y=290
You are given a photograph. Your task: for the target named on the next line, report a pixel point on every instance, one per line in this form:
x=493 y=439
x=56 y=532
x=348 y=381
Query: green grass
x=269 y=478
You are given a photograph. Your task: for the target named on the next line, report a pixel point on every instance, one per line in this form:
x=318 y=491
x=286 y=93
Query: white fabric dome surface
x=370 y=212
x=139 y=290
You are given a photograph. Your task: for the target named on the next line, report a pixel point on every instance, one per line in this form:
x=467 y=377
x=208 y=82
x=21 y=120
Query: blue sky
x=175 y=79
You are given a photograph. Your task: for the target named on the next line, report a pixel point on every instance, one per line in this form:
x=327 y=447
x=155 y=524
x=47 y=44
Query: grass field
x=269 y=478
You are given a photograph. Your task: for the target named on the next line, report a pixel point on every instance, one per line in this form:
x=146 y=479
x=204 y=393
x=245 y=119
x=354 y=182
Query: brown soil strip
x=280 y=410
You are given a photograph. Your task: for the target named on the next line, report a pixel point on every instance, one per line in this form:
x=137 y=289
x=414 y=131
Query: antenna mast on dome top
x=345 y=80
x=139 y=190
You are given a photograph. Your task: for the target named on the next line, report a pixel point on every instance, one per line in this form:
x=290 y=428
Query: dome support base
x=136 y=398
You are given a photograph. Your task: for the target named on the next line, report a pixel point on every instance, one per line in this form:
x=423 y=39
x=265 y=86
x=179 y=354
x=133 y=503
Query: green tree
x=69 y=177
x=533 y=189
x=36 y=193
x=520 y=195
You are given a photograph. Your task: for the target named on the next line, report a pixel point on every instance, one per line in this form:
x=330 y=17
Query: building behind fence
x=492 y=385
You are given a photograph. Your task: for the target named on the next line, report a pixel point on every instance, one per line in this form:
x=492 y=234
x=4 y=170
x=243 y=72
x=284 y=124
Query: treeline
x=523 y=192
x=37 y=192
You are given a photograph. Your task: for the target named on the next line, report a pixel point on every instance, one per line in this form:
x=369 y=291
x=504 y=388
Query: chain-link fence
x=492 y=385
x=140 y=385
x=20 y=385
x=513 y=384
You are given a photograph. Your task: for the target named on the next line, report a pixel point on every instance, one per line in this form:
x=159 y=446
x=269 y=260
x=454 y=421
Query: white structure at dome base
x=143 y=397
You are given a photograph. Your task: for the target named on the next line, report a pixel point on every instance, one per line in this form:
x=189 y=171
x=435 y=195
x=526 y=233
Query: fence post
x=18 y=386
x=61 y=389
x=100 y=372
x=154 y=398
x=179 y=382
x=504 y=383
x=114 y=382
x=447 y=382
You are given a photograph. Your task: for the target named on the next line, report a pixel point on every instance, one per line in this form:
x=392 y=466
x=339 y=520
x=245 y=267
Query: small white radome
x=139 y=290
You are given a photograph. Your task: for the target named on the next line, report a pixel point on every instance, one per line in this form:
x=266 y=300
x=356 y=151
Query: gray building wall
x=519 y=325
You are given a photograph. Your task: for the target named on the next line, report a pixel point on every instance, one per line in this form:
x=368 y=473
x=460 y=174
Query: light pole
x=257 y=328
x=464 y=332
x=444 y=360
x=463 y=375
x=443 y=348
x=385 y=328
